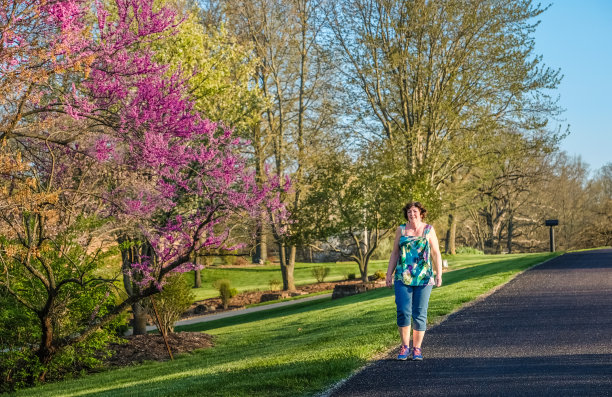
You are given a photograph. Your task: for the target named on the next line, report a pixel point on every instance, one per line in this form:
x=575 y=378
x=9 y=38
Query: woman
x=415 y=246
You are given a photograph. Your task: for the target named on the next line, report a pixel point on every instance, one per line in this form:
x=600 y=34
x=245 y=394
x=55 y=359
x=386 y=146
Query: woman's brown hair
x=417 y=204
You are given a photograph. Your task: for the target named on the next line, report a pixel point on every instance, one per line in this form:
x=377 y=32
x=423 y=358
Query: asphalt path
x=546 y=333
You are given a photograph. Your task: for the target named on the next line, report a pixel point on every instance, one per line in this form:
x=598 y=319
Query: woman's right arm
x=393 y=259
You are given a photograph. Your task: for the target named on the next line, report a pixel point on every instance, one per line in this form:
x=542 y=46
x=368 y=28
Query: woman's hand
x=438 y=280
x=389 y=280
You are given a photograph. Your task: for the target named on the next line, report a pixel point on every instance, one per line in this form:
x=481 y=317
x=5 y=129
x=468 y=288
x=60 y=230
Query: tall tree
x=438 y=78
x=505 y=191
x=435 y=72
x=294 y=77
x=564 y=198
x=356 y=201
x=220 y=71
x=598 y=231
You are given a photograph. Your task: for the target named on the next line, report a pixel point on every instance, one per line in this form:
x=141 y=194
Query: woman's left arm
x=436 y=256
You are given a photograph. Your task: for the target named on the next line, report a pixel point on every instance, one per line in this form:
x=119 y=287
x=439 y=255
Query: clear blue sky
x=576 y=36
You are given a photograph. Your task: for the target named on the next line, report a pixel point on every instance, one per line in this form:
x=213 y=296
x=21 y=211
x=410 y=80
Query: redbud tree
x=104 y=124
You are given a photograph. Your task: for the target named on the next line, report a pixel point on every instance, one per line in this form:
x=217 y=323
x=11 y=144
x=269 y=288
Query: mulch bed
x=214 y=305
x=151 y=347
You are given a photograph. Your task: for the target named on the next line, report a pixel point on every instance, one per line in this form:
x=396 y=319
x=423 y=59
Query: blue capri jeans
x=412 y=302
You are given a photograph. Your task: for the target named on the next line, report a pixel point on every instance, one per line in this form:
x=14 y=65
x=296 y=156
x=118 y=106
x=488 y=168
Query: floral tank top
x=414 y=262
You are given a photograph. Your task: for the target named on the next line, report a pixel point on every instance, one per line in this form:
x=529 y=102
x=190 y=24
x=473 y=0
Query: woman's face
x=414 y=214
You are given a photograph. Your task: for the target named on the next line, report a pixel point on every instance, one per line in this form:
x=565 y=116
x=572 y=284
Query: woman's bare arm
x=436 y=256
x=393 y=258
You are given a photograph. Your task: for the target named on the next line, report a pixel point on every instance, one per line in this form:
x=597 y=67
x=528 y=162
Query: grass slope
x=297 y=350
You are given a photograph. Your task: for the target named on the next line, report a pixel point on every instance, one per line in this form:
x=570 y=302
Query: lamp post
x=552 y=223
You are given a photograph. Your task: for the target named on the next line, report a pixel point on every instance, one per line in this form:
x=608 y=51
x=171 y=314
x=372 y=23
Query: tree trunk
x=260 y=256
x=451 y=232
x=453 y=235
x=481 y=240
x=510 y=231
x=363 y=259
x=363 y=269
x=291 y=267
x=197 y=278
x=45 y=350
x=447 y=239
x=139 y=324
x=489 y=243
x=287 y=263
x=133 y=254
x=261 y=248
x=498 y=241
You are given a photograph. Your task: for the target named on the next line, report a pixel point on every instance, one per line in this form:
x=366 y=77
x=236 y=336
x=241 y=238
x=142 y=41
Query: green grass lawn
x=297 y=350
x=258 y=277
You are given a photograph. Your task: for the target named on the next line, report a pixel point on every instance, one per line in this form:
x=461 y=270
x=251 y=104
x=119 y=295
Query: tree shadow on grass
x=187 y=378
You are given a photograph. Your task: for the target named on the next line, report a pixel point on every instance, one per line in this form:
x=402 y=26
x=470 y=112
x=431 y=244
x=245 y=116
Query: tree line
x=369 y=104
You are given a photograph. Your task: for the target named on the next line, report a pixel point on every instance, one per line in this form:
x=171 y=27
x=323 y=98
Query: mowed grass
x=298 y=350
x=257 y=277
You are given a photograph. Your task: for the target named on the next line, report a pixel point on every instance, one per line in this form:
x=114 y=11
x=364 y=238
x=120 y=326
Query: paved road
x=546 y=333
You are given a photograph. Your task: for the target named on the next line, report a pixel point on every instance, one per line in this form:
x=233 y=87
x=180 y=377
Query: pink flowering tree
x=165 y=175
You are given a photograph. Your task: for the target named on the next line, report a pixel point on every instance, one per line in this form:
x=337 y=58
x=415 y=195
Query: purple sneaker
x=417 y=354
x=404 y=353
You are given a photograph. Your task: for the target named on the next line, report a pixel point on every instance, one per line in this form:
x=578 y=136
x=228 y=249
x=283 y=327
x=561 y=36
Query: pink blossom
x=179 y=177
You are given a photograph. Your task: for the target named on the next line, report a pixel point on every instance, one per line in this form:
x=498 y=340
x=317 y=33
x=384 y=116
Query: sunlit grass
x=297 y=350
x=591 y=249
x=251 y=278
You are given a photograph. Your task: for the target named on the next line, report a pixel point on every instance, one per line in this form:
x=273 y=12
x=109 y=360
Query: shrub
x=241 y=261
x=206 y=260
x=226 y=292
x=468 y=250
x=174 y=299
x=320 y=273
x=274 y=284
x=379 y=275
x=18 y=329
x=228 y=260
x=20 y=335
x=351 y=276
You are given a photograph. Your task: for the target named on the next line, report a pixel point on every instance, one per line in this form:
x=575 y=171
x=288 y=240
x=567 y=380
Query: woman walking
x=415 y=246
